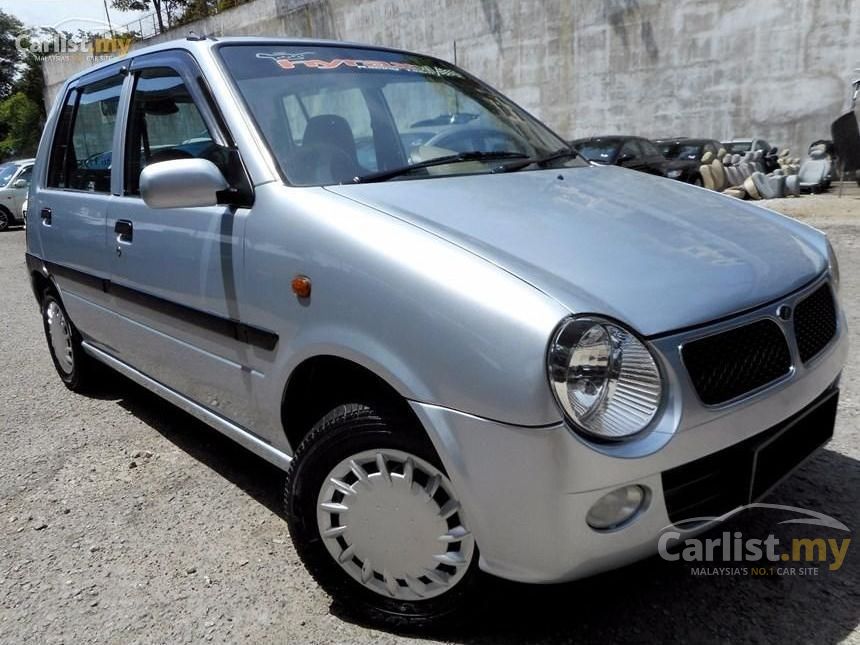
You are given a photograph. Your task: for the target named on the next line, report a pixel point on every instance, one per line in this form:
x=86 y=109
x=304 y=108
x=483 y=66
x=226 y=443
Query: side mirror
x=20 y=183
x=181 y=183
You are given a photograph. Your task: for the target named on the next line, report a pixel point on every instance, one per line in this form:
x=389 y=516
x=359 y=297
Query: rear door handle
x=124 y=230
x=46 y=216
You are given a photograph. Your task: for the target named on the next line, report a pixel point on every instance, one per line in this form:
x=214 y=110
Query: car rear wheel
x=75 y=368
x=5 y=219
x=377 y=522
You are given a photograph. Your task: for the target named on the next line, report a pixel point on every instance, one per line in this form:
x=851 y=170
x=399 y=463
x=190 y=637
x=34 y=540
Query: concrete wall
x=714 y=68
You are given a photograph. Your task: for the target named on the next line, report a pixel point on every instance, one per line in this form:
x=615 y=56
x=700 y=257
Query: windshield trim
x=286 y=42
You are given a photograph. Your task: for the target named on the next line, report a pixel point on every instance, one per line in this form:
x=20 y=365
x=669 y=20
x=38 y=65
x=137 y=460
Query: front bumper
x=526 y=491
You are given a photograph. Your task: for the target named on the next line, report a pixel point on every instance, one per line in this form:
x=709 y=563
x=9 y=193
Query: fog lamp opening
x=618 y=508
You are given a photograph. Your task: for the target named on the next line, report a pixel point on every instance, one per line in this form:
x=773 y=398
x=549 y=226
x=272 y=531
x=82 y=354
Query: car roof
x=686 y=140
x=205 y=43
x=611 y=137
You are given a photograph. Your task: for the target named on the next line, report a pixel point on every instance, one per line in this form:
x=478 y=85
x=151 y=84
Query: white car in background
x=14 y=184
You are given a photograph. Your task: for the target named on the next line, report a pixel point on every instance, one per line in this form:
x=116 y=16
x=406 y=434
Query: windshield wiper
x=474 y=155
x=561 y=153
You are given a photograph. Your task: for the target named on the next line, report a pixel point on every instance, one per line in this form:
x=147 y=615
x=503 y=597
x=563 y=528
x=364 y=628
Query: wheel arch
x=308 y=394
x=40 y=283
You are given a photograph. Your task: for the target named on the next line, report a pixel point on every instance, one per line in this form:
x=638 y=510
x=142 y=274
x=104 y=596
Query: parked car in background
x=746 y=144
x=767 y=154
x=498 y=360
x=684 y=157
x=14 y=184
x=635 y=153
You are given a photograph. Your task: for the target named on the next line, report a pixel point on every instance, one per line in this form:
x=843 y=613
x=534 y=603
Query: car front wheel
x=377 y=522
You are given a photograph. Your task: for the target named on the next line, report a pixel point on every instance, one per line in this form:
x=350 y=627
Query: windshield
x=600 y=151
x=334 y=114
x=683 y=151
x=7 y=170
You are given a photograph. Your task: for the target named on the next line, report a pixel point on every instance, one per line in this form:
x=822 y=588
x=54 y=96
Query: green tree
x=167 y=12
x=23 y=120
x=31 y=82
x=10 y=56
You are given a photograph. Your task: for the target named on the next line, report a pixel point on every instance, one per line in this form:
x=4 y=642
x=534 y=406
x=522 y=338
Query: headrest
x=736 y=158
x=757 y=155
x=721 y=153
x=708 y=157
x=784 y=152
x=331 y=130
x=817 y=153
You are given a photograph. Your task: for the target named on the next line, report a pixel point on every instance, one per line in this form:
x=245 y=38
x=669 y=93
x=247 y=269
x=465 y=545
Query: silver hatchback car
x=476 y=356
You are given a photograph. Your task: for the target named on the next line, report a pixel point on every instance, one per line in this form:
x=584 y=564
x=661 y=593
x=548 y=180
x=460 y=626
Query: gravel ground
x=124 y=520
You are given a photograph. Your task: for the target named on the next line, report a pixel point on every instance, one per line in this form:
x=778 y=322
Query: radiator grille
x=815 y=322
x=731 y=363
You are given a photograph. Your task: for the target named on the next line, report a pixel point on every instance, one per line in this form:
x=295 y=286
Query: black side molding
x=228 y=327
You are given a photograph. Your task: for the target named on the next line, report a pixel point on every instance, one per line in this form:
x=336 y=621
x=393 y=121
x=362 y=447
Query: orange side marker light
x=302 y=286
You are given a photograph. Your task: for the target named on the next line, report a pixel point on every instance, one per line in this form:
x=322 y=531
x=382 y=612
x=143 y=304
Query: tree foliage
x=22 y=111
x=10 y=27
x=23 y=120
x=167 y=12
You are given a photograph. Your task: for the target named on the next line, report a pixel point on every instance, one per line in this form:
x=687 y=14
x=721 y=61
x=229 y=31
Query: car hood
x=655 y=253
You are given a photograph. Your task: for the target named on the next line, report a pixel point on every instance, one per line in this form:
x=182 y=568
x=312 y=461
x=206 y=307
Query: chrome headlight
x=834 y=265
x=605 y=380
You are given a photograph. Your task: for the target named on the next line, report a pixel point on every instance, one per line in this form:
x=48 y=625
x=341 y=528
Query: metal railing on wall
x=147 y=25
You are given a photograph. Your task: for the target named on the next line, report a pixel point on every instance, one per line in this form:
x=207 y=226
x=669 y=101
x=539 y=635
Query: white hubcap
x=393 y=524
x=61 y=337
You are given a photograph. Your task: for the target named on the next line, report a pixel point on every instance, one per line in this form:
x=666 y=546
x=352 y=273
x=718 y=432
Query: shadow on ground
x=652 y=601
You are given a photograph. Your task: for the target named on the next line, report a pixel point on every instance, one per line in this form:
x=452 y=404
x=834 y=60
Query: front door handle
x=46 y=216
x=124 y=230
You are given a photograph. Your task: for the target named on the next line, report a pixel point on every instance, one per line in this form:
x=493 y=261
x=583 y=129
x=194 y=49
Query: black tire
x=82 y=377
x=345 y=431
x=6 y=219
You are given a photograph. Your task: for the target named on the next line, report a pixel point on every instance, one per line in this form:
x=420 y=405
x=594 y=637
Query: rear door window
x=83 y=141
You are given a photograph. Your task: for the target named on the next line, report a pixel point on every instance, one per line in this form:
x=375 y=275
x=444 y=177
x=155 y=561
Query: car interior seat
x=747 y=164
x=328 y=152
x=719 y=173
x=734 y=177
x=765 y=186
x=813 y=172
x=705 y=171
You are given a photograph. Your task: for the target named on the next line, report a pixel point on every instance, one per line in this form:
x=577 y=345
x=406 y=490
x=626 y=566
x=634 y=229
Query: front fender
x=441 y=325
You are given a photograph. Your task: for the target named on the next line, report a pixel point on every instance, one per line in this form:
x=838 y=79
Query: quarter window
x=81 y=150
